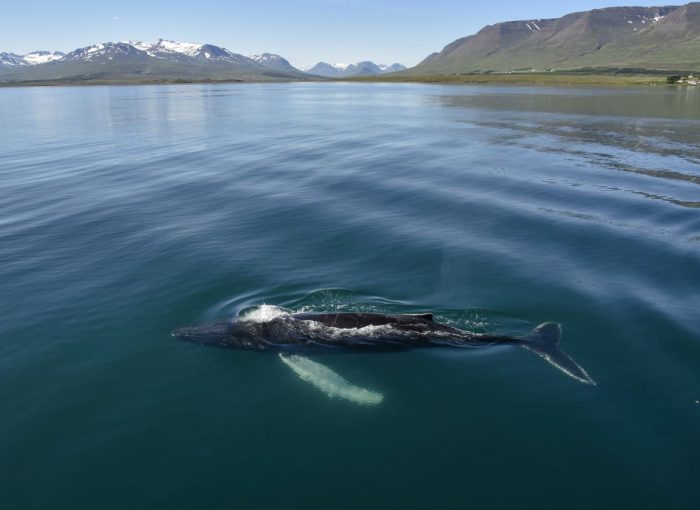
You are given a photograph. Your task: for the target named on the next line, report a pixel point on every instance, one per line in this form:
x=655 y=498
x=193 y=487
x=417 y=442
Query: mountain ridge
x=663 y=37
x=164 y=60
x=364 y=68
x=127 y=61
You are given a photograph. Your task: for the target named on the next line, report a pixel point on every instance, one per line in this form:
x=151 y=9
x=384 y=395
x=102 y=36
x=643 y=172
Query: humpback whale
x=291 y=335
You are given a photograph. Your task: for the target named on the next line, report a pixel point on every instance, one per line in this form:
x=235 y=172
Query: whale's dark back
x=349 y=320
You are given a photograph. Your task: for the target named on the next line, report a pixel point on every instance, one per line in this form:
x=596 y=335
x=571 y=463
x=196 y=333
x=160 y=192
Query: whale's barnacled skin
x=374 y=332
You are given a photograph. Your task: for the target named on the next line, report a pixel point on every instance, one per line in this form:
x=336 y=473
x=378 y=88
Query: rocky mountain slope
x=618 y=37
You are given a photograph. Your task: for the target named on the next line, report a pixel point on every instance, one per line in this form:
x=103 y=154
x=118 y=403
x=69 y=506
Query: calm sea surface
x=126 y=212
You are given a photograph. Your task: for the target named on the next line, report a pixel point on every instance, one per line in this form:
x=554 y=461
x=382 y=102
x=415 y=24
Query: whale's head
x=213 y=333
x=221 y=334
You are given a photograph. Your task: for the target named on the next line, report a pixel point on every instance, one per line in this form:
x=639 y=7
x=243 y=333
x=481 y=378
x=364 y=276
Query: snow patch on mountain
x=163 y=47
x=42 y=57
x=189 y=49
x=643 y=19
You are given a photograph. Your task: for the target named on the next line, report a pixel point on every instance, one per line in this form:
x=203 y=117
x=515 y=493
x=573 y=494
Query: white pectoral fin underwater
x=291 y=334
x=329 y=382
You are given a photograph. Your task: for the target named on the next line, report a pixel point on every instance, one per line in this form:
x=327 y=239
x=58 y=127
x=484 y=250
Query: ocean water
x=126 y=212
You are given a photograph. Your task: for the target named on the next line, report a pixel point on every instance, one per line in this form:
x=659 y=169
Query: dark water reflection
x=633 y=104
x=630 y=131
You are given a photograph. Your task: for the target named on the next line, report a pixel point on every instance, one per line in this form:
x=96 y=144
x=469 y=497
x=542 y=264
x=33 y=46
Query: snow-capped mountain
x=364 y=68
x=164 y=57
x=108 y=50
x=272 y=61
x=11 y=59
x=162 y=49
x=173 y=50
x=33 y=58
x=138 y=61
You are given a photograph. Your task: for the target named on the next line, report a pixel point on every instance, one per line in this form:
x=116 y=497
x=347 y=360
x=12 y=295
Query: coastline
x=534 y=79
x=602 y=79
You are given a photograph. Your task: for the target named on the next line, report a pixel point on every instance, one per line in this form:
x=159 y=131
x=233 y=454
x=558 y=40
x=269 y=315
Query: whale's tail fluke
x=544 y=341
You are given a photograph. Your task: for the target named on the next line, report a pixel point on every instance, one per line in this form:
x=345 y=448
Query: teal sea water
x=126 y=212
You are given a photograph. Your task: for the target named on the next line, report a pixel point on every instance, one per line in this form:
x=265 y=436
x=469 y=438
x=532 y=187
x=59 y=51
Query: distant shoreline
x=126 y=82
x=534 y=79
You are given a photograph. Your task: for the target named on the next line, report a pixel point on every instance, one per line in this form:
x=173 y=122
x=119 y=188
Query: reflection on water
x=630 y=103
x=649 y=133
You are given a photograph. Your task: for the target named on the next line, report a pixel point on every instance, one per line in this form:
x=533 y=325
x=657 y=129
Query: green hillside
x=620 y=37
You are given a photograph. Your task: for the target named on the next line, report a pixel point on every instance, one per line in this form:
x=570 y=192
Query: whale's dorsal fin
x=426 y=316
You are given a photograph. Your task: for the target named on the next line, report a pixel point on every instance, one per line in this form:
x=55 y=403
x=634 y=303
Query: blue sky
x=303 y=31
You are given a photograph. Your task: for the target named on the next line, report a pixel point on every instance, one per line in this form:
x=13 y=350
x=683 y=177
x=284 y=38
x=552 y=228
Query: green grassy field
x=602 y=79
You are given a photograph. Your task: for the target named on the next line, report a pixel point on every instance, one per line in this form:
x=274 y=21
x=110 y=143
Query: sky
x=303 y=31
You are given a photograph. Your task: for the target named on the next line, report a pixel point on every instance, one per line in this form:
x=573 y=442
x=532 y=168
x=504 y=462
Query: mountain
x=136 y=61
x=616 y=37
x=99 y=52
x=393 y=68
x=327 y=70
x=365 y=68
x=185 y=52
x=33 y=58
x=11 y=60
x=164 y=60
x=671 y=43
x=273 y=62
x=362 y=69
